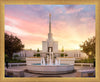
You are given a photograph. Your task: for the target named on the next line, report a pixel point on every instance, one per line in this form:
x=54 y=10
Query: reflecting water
x=47 y=64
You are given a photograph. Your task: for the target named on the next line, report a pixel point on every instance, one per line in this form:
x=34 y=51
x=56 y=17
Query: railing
x=16 y=64
x=84 y=64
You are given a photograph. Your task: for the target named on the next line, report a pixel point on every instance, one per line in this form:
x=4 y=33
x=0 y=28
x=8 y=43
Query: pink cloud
x=73 y=10
x=29 y=32
x=32 y=27
x=87 y=19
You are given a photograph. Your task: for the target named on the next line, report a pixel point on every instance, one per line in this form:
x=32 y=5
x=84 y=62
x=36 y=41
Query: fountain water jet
x=50 y=60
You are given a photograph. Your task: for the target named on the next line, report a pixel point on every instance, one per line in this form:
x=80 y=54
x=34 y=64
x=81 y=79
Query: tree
x=62 y=49
x=89 y=47
x=38 y=50
x=12 y=45
x=62 y=55
x=38 y=55
x=6 y=57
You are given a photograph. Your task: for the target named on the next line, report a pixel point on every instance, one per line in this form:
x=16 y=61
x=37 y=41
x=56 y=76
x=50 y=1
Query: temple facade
x=50 y=44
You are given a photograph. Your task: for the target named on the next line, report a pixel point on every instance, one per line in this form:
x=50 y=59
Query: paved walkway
x=74 y=74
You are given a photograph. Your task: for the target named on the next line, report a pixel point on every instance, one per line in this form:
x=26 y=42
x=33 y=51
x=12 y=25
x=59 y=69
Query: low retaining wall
x=32 y=60
x=14 y=73
x=66 y=60
x=84 y=64
x=16 y=64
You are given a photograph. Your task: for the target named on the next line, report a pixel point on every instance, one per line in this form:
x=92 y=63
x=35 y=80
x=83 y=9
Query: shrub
x=16 y=61
x=38 y=55
x=66 y=54
x=34 y=55
x=85 y=61
x=62 y=55
x=15 y=56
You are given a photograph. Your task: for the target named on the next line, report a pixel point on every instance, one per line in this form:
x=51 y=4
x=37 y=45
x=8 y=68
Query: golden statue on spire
x=50 y=14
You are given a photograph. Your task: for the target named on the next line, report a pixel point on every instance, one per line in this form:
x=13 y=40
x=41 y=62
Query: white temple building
x=52 y=45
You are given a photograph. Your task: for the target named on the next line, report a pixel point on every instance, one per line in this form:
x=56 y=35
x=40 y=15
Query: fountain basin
x=50 y=69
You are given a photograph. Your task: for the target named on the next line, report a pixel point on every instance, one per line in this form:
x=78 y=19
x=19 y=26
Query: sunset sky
x=71 y=24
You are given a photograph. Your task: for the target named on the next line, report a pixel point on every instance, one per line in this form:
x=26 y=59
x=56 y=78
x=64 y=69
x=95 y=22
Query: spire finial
x=49 y=14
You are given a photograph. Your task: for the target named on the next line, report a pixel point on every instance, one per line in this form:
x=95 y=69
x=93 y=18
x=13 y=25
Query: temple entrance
x=50 y=48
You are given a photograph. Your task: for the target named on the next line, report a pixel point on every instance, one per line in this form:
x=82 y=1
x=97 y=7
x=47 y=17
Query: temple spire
x=49 y=22
x=50 y=34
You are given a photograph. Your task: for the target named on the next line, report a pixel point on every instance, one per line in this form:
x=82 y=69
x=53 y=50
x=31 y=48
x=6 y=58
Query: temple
x=50 y=44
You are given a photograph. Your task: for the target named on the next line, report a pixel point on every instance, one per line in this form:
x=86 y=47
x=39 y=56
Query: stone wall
x=32 y=60
x=66 y=60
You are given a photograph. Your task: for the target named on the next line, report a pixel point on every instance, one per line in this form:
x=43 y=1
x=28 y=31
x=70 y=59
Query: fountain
x=56 y=62
x=50 y=60
x=50 y=67
x=43 y=61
